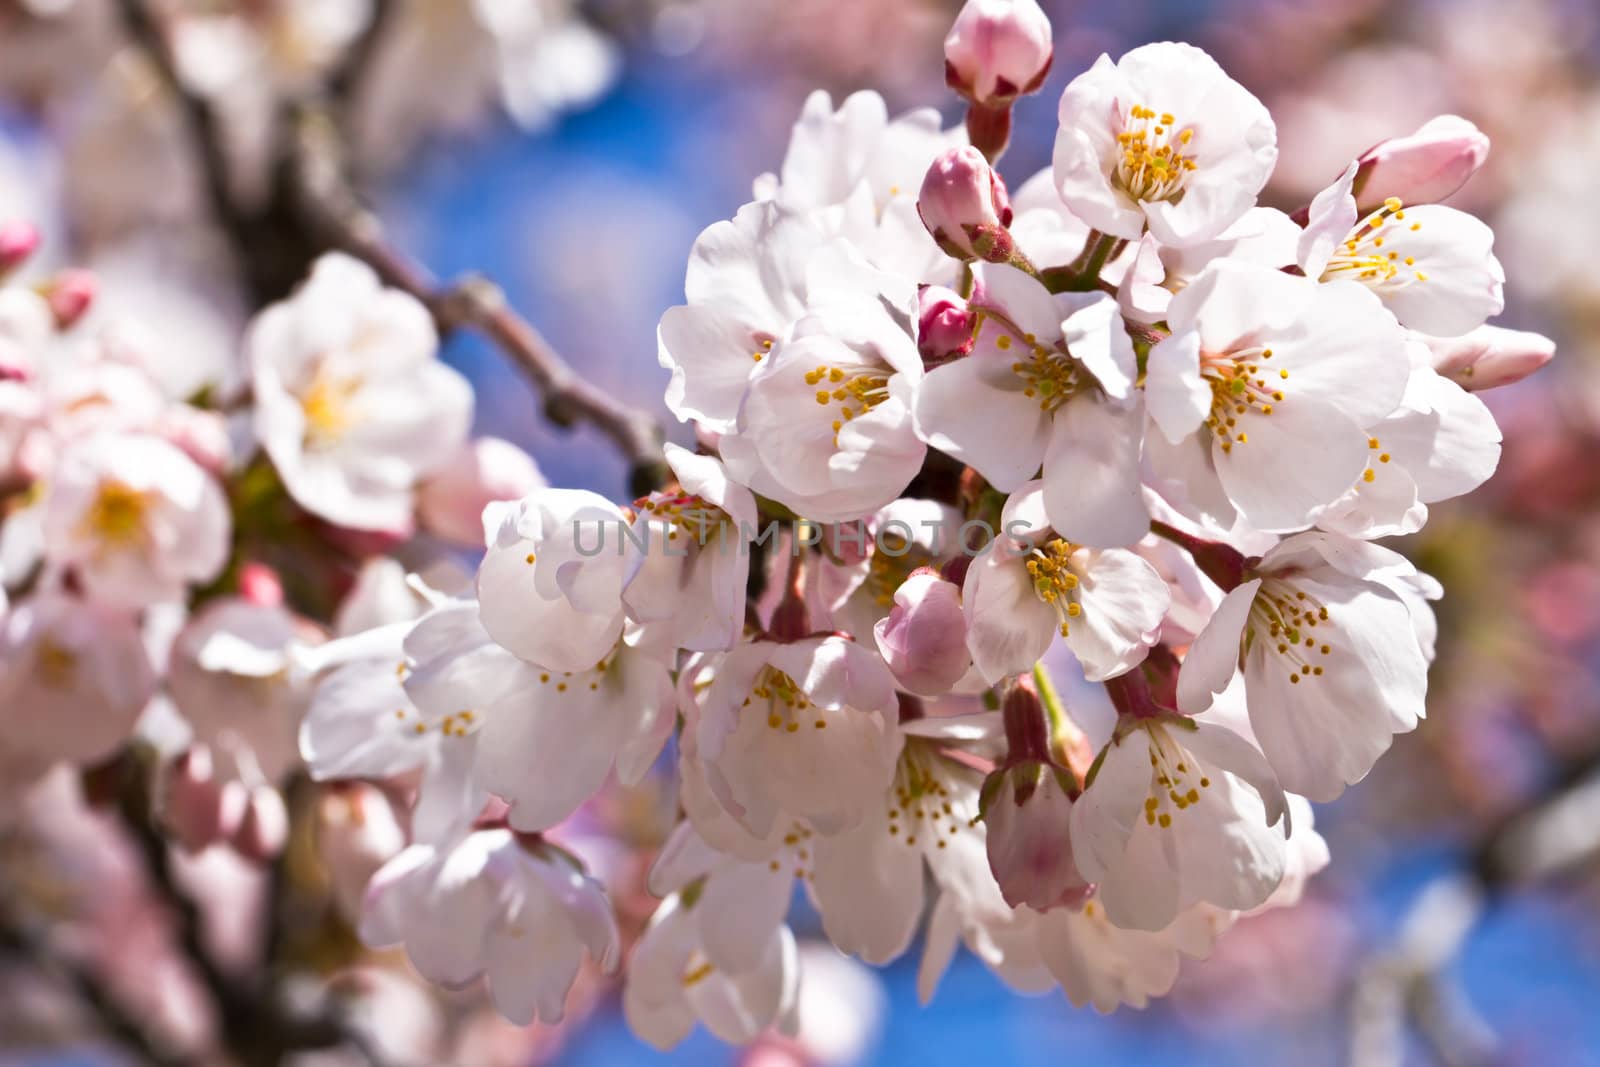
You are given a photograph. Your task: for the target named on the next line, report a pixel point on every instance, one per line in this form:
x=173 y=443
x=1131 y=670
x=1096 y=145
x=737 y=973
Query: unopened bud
x=965 y=206
x=923 y=639
x=70 y=294
x=998 y=50
x=451 y=500
x=1027 y=815
x=265 y=828
x=946 y=327
x=260 y=584
x=1489 y=356
x=18 y=241
x=197 y=809
x=1423 y=168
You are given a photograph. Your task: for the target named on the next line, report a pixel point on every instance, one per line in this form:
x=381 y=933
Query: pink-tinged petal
x=1177 y=397
x=959 y=404
x=1095 y=336
x=1296 y=460
x=868 y=886
x=1328 y=223
x=1123 y=601
x=1008 y=627
x=1092 y=488
x=1213 y=659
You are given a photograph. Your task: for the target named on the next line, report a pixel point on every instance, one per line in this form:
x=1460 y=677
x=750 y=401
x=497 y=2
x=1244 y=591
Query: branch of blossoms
x=1125 y=424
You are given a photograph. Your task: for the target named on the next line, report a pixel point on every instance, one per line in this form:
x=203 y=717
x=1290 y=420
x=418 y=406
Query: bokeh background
x=1461 y=896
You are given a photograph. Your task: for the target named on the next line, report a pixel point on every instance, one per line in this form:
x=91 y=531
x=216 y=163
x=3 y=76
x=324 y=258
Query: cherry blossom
x=1327 y=633
x=1031 y=585
x=1179 y=812
x=134 y=519
x=1262 y=396
x=521 y=912
x=1162 y=137
x=1059 y=371
x=352 y=403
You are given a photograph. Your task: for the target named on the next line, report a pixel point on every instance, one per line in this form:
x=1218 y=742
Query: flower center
x=327 y=408
x=1056 y=580
x=1049 y=374
x=1155 y=164
x=1288 y=615
x=786 y=702
x=1241 y=384
x=117 y=515
x=856 y=390
x=685 y=513
x=891 y=563
x=920 y=798
x=1364 y=257
x=1175 y=781
x=55 y=664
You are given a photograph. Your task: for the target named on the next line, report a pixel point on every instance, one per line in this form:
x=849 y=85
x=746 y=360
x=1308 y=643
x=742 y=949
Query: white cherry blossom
x=803 y=730
x=352 y=403
x=1331 y=634
x=1058 y=372
x=1431 y=265
x=826 y=426
x=1262 y=396
x=1031 y=585
x=1162 y=137
x=550 y=586
x=695 y=564
x=520 y=912
x=1179 y=812
x=672 y=983
x=134 y=519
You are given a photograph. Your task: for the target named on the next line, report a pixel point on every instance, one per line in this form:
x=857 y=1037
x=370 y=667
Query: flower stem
x=1221 y=563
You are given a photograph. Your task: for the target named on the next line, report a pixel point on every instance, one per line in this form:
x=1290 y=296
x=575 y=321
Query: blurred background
x=575 y=160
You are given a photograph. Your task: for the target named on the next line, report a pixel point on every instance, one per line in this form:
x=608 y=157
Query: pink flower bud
x=1423 y=168
x=260 y=584
x=70 y=295
x=18 y=241
x=196 y=808
x=923 y=639
x=1026 y=815
x=450 y=502
x=965 y=206
x=945 y=326
x=265 y=828
x=998 y=50
x=1489 y=356
x=357 y=833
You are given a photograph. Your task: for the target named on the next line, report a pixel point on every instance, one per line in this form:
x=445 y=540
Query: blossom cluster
x=1125 y=427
